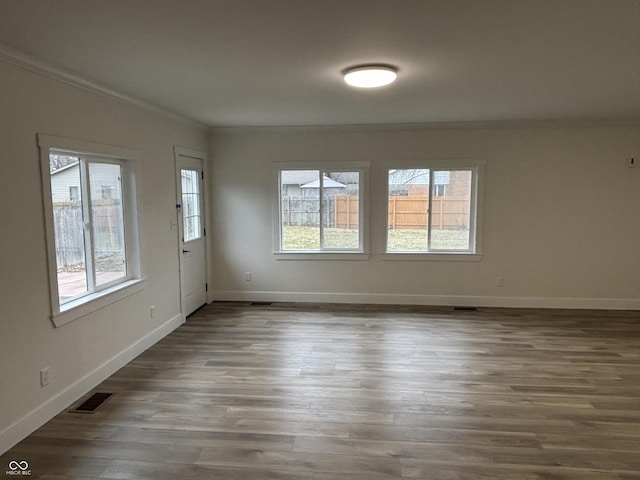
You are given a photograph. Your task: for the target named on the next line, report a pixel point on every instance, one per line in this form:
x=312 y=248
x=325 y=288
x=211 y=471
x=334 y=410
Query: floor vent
x=93 y=403
x=466 y=309
x=261 y=304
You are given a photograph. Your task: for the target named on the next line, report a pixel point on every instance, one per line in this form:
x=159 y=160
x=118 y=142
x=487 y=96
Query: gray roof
x=302 y=177
x=326 y=183
x=298 y=177
x=66 y=167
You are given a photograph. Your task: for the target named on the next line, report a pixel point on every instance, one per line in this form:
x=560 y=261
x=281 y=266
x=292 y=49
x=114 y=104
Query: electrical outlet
x=500 y=282
x=152 y=311
x=44 y=377
x=247 y=276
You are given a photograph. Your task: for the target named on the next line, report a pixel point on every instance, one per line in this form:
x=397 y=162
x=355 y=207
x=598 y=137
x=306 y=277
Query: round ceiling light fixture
x=370 y=76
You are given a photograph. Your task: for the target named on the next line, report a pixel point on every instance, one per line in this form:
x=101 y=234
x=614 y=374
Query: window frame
x=360 y=253
x=120 y=288
x=74 y=193
x=475 y=252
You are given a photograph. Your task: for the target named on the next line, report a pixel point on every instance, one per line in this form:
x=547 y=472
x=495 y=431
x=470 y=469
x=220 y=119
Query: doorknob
x=186 y=251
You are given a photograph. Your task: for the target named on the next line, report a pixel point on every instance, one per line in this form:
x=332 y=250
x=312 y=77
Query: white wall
x=78 y=353
x=561 y=217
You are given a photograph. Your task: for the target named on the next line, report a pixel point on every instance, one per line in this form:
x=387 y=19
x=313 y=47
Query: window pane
x=191 y=228
x=340 y=214
x=300 y=207
x=450 y=216
x=68 y=226
x=107 y=222
x=408 y=206
x=191 y=204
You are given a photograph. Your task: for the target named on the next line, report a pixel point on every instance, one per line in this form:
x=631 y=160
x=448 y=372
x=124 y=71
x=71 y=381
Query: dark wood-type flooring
x=319 y=392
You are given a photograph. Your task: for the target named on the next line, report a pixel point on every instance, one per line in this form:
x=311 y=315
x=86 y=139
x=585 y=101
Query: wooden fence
x=448 y=213
x=405 y=212
x=304 y=211
x=347 y=214
x=69 y=231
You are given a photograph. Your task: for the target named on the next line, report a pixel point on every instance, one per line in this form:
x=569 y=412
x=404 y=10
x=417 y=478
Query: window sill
x=301 y=255
x=88 y=304
x=434 y=256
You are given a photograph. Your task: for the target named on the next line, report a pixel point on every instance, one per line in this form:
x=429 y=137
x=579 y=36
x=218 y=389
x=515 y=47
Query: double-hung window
x=433 y=209
x=90 y=211
x=321 y=210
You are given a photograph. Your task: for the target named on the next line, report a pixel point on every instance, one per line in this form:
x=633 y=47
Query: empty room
x=320 y=239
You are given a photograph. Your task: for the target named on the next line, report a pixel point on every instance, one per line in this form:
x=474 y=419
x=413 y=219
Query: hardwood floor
x=317 y=392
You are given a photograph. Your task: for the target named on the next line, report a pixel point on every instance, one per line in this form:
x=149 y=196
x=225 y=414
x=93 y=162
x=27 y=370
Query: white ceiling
x=278 y=62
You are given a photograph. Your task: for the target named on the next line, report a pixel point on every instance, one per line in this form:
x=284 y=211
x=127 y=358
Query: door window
x=191 y=204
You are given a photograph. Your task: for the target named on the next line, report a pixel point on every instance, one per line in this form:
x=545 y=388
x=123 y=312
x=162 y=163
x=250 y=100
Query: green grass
x=416 y=240
x=308 y=238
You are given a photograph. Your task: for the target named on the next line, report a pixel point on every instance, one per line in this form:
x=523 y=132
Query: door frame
x=202 y=156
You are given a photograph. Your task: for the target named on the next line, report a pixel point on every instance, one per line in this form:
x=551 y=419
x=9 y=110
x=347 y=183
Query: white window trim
x=133 y=283
x=433 y=256
x=474 y=255
x=327 y=254
x=95 y=301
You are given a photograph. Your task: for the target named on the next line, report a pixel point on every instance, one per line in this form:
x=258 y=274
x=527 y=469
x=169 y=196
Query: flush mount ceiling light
x=370 y=76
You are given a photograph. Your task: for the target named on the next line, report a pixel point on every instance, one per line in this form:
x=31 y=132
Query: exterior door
x=191 y=229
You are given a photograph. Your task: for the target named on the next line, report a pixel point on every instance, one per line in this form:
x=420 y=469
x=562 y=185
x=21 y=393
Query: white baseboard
x=37 y=417
x=453 y=300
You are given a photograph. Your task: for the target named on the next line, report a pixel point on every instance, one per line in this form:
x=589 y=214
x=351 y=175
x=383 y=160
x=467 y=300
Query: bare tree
x=56 y=162
x=408 y=176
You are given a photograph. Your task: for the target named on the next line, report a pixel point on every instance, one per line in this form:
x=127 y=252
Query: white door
x=191 y=229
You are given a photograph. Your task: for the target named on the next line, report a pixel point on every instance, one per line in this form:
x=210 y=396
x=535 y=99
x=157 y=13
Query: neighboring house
x=65 y=183
x=330 y=188
x=401 y=182
x=415 y=182
x=294 y=182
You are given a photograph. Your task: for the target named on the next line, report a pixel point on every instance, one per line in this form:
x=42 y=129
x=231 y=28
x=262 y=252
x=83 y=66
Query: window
x=92 y=232
x=432 y=210
x=321 y=210
x=107 y=191
x=191 y=204
x=439 y=190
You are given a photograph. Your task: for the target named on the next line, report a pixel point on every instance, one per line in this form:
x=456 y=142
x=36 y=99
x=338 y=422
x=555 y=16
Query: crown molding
x=37 y=65
x=454 y=125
